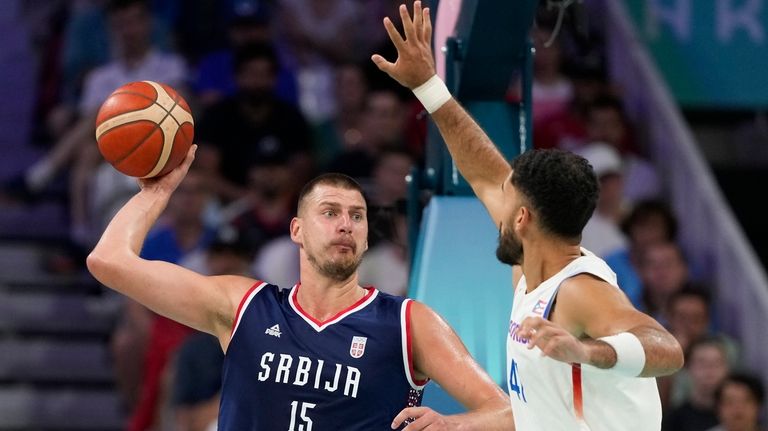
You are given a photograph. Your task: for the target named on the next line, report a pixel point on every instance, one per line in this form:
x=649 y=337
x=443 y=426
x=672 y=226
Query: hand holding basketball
x=144 y=129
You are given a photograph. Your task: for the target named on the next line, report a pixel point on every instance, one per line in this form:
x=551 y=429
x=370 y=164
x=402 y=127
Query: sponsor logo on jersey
x=273 y=330
x=357 y=348
x=514 y=328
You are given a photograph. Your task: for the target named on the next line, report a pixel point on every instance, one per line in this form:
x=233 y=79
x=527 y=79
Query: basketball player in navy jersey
x=326 y=354
x=579 y=355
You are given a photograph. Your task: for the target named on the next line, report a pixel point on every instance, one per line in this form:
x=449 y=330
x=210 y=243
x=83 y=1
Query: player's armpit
x=439 y=354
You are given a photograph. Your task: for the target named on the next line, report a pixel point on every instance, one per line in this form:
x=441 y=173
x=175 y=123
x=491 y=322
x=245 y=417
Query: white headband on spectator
x=432 y=94
x=630 y=355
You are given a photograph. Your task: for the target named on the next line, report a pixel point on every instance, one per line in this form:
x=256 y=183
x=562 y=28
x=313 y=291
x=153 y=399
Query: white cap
x=604 y=158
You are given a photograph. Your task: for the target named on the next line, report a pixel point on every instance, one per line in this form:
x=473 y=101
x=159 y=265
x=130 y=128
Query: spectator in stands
x=265 y=212
x=234 y=133
x=739 y=400
x=130 y=22
x=320 y=34
x=706 y=365
x=664 y=272
x=343 y=131
x=607 y=123
x=552 y=91
x=383 y=127
x=390 y=170
x=568 y=129
x=602 y=235
x=385 y=265
x=86 y=46
x=690 y=319
x=214 y=74
x=649 y=222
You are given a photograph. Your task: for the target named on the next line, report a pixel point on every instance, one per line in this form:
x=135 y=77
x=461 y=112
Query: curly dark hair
x=561 y=187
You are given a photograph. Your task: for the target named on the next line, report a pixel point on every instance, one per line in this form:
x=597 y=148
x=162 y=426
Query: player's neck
x=323 y=298
x=546 y=257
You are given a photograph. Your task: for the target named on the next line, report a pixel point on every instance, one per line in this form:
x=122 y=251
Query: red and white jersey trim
x=405 y=325
x=318 y=325
x=256 y=288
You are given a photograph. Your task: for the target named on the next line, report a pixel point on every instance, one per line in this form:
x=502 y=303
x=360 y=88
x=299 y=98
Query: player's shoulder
x=583 y=283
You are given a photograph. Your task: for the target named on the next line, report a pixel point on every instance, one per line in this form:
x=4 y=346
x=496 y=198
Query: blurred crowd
x=282 y=90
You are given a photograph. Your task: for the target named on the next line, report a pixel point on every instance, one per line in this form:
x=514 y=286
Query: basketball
x=144 y=129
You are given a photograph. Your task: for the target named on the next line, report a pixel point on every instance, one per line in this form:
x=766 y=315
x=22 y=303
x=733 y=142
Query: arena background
x=687 y=78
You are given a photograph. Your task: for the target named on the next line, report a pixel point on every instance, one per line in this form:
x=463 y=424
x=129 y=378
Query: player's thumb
x=381 y=63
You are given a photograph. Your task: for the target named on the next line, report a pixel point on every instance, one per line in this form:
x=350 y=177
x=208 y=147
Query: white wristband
x=630 y=355
x=432 y=94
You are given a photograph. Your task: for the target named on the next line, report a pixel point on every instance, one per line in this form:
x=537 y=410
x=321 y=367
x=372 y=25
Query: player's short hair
x=560 y=186
x=332 y=179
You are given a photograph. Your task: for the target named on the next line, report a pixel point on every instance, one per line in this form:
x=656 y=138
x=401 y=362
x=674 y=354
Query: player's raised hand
x=415 y=63
x=168 y=182
x=553 y=341
x=421 y=418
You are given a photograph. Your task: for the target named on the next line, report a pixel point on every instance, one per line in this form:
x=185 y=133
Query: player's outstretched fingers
x=394 y=35
x=418 y=20
x=427 y=29
x=405 y=17
x=382 y=63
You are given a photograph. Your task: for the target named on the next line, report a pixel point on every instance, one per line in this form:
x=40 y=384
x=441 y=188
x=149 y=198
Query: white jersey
x=550 y=395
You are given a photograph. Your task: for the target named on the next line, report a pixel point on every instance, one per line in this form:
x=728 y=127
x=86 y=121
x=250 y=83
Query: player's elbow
x=103 y=266
x=97 y=265
x=678 y=357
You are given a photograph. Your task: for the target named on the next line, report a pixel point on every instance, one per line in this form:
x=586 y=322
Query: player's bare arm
x=204 y=303
x=588 y=309
x=439 y=354
x=475 y=155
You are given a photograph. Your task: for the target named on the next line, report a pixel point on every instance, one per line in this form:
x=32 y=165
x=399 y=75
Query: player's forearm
x=497 y=416
x=663 y=354
x=475 y=155
x=127 y=231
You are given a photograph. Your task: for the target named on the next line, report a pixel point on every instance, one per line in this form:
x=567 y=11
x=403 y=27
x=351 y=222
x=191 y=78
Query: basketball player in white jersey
x=579 y=356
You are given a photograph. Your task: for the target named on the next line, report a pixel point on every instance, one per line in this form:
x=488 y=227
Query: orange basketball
x=144 y=129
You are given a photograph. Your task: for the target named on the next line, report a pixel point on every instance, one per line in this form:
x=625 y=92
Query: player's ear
x=296 y=230
x=522 y=218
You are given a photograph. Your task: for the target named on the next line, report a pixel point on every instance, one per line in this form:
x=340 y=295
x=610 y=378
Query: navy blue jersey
x=286 y=371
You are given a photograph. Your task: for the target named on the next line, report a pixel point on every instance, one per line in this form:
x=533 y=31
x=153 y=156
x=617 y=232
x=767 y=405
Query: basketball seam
x=160 y=154
x=181 y=129
x=154 y=102
x=136 y=147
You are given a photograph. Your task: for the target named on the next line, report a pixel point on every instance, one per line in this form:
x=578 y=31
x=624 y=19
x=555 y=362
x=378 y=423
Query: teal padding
x=456 y=273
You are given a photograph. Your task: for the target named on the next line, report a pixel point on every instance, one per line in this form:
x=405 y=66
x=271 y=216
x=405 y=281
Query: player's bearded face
x=338 y=259
x=510 y=248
